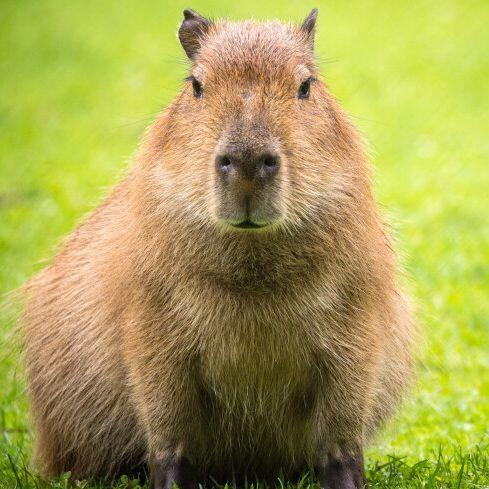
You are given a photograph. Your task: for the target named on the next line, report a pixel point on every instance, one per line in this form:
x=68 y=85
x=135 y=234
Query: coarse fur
x=162 y=330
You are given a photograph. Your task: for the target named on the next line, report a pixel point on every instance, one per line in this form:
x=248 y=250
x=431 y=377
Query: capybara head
x=254 y=142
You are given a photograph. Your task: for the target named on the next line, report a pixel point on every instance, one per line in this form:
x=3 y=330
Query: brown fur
x=159 y=329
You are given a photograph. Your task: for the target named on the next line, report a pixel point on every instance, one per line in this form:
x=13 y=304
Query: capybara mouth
x=249 y=225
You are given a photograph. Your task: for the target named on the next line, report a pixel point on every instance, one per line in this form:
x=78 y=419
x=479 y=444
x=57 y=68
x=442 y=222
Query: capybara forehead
x=254 y=50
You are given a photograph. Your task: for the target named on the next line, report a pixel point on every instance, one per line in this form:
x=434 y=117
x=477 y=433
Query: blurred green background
x=79 y=82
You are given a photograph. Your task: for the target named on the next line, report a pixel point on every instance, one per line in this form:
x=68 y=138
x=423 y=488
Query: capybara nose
x=262 y=166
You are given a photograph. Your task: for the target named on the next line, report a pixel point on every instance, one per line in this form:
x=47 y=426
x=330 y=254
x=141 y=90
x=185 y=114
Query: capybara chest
x=258 y=380
x=256 y=375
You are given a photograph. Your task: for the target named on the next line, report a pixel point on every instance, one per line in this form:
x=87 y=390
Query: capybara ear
x=193 y=28
x=308 y=27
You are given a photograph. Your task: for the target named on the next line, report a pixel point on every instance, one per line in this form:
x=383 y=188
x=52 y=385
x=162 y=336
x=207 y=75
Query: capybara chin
x=231 y=309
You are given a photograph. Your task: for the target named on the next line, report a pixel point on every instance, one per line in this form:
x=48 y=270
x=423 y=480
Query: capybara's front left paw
x=343 y=472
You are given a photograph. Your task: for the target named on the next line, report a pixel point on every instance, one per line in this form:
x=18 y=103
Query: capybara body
x=231 y=309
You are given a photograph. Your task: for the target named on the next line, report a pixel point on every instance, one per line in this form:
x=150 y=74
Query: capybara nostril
x=248 y=166
x=223 y=164
x=270 y=165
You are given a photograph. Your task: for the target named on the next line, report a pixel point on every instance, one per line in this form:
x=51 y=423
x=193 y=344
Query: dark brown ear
x=308 y=27
x=193 y=28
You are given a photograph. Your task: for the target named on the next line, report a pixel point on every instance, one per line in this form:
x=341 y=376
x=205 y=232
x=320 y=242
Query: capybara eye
x=197 y=87
x=304 y=89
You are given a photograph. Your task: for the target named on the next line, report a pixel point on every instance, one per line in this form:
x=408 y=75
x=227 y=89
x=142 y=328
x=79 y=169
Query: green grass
x=79 y=81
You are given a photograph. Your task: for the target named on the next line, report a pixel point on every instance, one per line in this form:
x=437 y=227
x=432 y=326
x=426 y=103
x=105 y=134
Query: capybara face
x=255 y=90
x=250 y=125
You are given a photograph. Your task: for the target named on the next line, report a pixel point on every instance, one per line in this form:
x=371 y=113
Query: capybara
x=231 y=310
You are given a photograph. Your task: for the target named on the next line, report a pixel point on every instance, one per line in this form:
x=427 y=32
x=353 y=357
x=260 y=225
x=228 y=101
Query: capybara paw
x=343 y=472
x=170 y=470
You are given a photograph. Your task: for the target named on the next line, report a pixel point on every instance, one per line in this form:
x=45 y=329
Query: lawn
x=79 y=82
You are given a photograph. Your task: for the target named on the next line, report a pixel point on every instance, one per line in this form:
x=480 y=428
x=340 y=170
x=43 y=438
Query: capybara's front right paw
x=172 y=469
